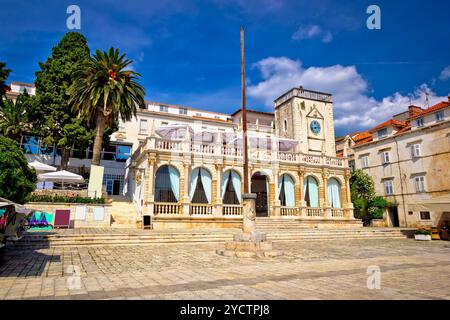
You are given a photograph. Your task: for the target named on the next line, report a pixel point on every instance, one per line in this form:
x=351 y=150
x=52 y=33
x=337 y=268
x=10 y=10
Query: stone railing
x=200 y=209
x=166 y=208
x=237 y=152
x=314 y=212
x=289 y=211
x=337 y=213
x=231 y=210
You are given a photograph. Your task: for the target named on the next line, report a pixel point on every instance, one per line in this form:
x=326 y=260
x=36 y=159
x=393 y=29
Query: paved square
x=308 y=270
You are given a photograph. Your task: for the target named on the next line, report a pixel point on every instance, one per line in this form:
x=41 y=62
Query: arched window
x=286 y=191
x=200 y=186
x=311 y=192
x=231 y=187
x=167 y=184
x=285 y=125
x=334 y=194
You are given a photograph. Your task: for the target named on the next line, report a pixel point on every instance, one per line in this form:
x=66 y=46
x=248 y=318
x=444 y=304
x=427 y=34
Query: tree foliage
x=52 y=113
x=367 y=205
x=14 y=117
x=17 y=180
x=104 y=90
x=4 y=74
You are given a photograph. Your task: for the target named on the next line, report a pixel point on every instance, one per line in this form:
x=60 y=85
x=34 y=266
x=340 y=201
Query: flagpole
x=244 y=115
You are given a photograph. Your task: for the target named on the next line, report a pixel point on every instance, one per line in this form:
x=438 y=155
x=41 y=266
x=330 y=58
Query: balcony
x=236 y=153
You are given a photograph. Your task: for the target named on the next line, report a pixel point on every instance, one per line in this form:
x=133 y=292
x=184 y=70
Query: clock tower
x=306 y=116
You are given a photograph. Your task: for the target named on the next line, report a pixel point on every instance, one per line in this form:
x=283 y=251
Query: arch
x=167 y=184
x=262 y=172
x=334 y=193
x=200 y=185
x=259 y=186
x=286 y=190
x=231 y=187
x=311 y=191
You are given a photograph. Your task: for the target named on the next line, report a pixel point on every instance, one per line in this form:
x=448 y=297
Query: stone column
x=249 y=214
x=347 y=196
x=217 y=191
x=276 y=202
x=184 y=195
x=325 y=204
x=149 y=188
x=300 y=202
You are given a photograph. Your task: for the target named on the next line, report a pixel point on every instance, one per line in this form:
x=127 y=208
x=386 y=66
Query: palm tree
x=104 y=90
x=13 y=122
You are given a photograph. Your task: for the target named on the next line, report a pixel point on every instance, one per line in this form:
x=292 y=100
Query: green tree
x=4 y=74
x=105 y=90
x=367 y=205
x=52 y=113
x=17 y=180
x=13 y=117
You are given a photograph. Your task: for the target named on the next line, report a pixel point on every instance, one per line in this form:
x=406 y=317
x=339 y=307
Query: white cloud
x=311 y=32
x=445 y=74
x=354 y=108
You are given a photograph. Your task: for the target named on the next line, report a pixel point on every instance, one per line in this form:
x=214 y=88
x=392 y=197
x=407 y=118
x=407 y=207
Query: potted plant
x=422 y=235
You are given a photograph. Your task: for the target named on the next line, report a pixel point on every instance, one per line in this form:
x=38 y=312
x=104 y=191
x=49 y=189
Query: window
x=420 y=122
x=123 y=152
x=382 y=133
x=415 y=149
x=389 y=187
x=351 y=164
x=386 y=157
x=425 y=215
x=163 y=108
x=217 y=117
x=419 y=183
x=440 y=115
x=164 y=123
x=285 y=125
x=365 y=162
x=143 y=127
x=410 y=213
x=183 y=111
x=198 y=114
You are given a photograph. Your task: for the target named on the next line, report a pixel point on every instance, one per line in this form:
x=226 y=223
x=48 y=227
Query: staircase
x=123 y=213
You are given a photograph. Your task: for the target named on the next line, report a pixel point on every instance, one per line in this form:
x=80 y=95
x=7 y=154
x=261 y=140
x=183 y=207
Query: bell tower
x=306 y=116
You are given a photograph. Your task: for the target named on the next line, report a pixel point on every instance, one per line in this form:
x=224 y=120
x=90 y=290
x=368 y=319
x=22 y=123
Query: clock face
x=315 y=127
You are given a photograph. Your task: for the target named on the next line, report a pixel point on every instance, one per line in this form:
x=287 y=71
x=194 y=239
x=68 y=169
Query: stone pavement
x=308 y=270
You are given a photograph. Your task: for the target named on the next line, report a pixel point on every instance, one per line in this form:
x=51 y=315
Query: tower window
x=285 y=125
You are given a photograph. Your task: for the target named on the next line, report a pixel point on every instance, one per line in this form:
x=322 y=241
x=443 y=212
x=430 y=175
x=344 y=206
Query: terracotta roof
x=436 y=107
x=405 y=129
x=388 y=123
x=361 y=136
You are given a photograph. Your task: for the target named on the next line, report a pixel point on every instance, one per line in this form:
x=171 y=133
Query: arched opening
x=334 y=193
x=286 y=191
x=259 y=187
x=200 y=186
x=167 y=184
x=311 y=192
x=231 y=188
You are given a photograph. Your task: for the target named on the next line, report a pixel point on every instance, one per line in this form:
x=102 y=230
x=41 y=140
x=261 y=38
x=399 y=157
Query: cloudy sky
x=188 y=51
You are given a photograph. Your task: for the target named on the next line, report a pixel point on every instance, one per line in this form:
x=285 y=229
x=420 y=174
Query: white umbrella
x=60 y=176
x=41 y=167
x=174 y=132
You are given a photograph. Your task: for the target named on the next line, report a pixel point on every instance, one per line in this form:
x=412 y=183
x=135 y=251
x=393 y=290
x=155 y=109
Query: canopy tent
x=174 y=132
x=260 y=142
x=438 y=204
x=18 y=207
x=61 y=176
x=205 y=137
x=41 y=167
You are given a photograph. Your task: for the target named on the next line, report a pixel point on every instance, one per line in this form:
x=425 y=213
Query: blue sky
x=188 y=51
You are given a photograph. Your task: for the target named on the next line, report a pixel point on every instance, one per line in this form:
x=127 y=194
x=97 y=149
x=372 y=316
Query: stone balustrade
x=159 y=144
x=231 y=210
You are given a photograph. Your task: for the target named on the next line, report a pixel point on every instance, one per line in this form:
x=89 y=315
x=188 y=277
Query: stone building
x=187 y=170
x=408 y=157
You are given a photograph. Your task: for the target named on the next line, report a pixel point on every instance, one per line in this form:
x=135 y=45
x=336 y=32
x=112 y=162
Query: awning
x=61 y=176
x=260 y=142
x=41 y=167
x=174 y=132
x=438 y=204
x=205 y=137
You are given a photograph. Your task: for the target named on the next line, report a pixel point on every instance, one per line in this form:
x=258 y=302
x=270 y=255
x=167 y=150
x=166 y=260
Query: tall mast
x=244 y=115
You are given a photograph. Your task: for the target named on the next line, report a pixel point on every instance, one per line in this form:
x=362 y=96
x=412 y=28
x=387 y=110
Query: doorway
x=259 y=187
x=393 y=216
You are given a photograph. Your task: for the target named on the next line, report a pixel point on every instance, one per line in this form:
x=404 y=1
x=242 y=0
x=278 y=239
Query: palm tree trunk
x=98 y=142
x=65 y=159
